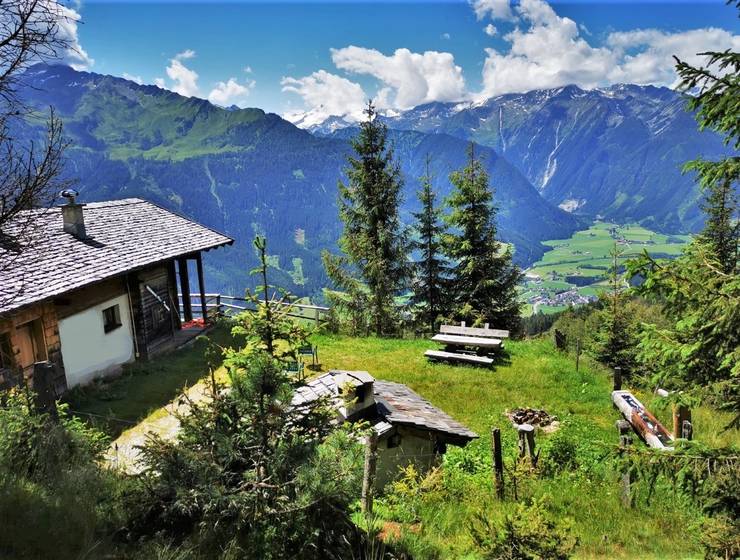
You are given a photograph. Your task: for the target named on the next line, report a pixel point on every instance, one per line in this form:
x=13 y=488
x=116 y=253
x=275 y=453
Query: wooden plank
x=456 y=340
x=467 y=358
x=644 y=423
x=473 y=331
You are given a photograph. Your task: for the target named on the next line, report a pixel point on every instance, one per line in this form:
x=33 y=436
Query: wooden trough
x=642 y=421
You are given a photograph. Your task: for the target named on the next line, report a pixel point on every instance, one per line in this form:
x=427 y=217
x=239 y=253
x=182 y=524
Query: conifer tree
x=431 y=271
x=484 y=277
x=717 y=90
x=614 y=338
x=374 y=265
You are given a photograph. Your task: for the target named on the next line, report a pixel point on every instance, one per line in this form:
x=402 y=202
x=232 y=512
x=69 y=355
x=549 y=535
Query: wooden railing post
x=625 y=440
x=526 y=441
x=368 y=478
x=498 y=462
x=617 y=378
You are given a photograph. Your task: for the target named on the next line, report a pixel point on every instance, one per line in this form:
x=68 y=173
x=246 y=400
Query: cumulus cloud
x=185 y=79
x=325 y=94
x=230 y=93
x=496 y=9
x=414 y=78
x=547 y=50
x=68 y=20
x=133 y=78
x=490 y=30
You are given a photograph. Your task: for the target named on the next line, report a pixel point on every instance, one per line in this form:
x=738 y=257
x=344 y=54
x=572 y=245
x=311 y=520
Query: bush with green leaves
x=55 y=499
x=531 y=532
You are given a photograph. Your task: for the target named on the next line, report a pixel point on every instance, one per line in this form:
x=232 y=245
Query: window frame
x=112 y=323
x=7 y=356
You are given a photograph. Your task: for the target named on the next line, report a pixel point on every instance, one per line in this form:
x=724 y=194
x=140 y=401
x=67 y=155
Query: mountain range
x=556 y=158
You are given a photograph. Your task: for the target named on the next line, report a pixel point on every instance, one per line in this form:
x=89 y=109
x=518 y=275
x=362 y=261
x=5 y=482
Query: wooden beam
x=172 y=291
x=202 y=288
x=457 y=340
x=187 y=309
x=643 y=422
x=452 y=356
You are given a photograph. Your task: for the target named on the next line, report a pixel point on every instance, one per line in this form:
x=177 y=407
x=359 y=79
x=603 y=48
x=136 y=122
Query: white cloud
x=415 y=78
x=490 y=30
x=230 y=93
x=185 y=80
x=325 y=94
x=446 y=36
x=186 y=54
x=496 y=9
x=159 y=82
x=248 y=69
x=547 y=50
x=134 y=78
x=68 y=20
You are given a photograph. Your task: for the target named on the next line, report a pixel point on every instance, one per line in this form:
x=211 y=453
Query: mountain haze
x=615 y=152
x=246 y=171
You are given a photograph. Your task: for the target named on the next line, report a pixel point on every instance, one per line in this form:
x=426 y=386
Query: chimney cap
x=70 y=195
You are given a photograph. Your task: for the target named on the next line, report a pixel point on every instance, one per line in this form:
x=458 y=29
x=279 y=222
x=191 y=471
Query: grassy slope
x=536 y=376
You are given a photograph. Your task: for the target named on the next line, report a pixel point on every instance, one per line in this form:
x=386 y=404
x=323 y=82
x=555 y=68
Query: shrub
x=530 y=533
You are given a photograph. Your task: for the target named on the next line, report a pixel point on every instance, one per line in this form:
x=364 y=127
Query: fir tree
x=484 y=277
x=717 y=91
x=614 y=336
x=374 y=242
x=431 y=278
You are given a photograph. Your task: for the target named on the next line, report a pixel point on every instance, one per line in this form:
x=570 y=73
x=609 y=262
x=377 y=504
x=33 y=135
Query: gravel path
x=124 y=452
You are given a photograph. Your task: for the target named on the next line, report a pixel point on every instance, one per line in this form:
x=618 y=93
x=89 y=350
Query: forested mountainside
x=615 y=152
x=246 y=172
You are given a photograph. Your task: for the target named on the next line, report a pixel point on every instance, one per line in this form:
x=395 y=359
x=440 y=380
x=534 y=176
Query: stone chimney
x=72 y=215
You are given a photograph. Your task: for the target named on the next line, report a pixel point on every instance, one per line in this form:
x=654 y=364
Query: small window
x=111 y=318
x=6 y=351
x=394 y=441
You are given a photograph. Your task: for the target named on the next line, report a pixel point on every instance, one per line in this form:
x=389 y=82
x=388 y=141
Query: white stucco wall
x=87 y=350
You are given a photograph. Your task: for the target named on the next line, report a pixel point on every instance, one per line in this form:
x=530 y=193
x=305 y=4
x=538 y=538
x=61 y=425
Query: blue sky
x=326 y=58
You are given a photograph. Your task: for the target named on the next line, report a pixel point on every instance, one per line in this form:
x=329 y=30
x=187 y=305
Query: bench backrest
x=473 y=331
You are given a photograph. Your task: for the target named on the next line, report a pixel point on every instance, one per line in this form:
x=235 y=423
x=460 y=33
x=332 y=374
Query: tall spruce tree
x=716 y=101
x=700 y=291
x=484 y=277
x=431 y=280
x=374 y=265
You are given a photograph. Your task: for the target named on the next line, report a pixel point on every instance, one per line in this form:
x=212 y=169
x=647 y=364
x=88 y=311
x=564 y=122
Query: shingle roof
x=124 y=235
x=400 y=405
x=396 y=404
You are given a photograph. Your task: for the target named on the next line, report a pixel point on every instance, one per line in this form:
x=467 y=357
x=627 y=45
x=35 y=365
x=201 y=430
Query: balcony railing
x=218 y=305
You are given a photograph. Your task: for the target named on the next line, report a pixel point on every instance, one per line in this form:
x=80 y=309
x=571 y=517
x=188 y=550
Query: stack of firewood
x=533 y=416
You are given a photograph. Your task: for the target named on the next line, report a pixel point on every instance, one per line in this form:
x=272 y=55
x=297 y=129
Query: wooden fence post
x=617 y=378
x=681 y=415
x=578 y=353
x=368 y=477
x=526 y=441
x=43 y=386
x=625 y=440
x=498 y=462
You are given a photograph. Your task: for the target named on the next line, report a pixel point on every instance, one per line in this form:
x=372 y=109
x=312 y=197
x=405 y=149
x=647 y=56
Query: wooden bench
x=455 y=357
x=478 y=342
x=473 y=331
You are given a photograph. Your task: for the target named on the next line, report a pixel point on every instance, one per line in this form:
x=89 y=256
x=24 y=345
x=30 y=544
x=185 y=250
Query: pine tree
x=484 y=277
x=374 y=242
x=431 y=278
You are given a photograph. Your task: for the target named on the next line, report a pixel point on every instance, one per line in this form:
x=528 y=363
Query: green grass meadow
x=530 y=373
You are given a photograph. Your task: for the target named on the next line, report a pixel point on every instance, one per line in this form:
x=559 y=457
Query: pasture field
x=581 y=264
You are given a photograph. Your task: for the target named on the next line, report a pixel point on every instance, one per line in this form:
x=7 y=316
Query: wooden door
x=30 y=345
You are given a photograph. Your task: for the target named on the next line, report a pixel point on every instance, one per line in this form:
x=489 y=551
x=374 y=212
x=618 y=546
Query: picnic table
x=467 y=344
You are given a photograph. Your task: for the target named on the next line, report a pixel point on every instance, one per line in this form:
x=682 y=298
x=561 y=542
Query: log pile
x=533 y=416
